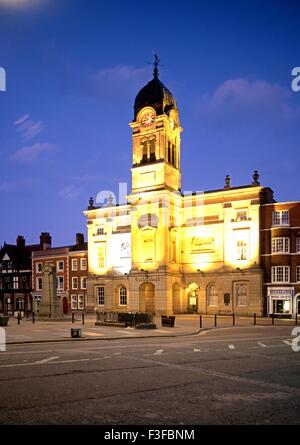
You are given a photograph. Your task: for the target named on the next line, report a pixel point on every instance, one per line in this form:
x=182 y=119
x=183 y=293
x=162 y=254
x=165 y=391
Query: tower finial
x=156 y=63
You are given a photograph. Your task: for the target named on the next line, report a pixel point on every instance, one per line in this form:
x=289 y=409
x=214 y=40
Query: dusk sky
x=74 y=68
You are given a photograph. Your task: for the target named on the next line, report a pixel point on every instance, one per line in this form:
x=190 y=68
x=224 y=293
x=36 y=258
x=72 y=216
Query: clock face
x=148 y=119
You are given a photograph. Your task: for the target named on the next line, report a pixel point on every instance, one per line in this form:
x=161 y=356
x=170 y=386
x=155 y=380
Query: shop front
x=280 y=301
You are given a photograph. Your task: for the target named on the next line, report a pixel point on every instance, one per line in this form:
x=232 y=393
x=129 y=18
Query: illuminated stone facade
x=165 y=252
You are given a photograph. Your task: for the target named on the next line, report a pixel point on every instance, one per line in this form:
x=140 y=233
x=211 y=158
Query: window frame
x=100 y=296
x=73 y=262
x=238 y=296
x=123 y=296
x=73 y=280
x=210 y=295
x=286 y=245
x=277 y=218
x=81 y=262
x=81 y=280
x=286 y=274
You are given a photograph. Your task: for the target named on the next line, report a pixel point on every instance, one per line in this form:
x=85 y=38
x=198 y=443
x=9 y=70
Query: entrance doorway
x=146 y=298
x=192 y=298
x=65 y=305
x=298 y=304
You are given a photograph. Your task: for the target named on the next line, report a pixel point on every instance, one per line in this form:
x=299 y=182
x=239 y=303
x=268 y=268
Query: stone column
x=50 y=305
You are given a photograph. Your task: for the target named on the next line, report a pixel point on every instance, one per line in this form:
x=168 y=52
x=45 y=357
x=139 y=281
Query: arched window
x=145 y=151
x=123 y=296
x=152 y=150
x=241 y=290
x=212 y=295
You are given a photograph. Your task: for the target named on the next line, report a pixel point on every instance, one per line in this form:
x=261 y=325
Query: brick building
x=16 y=274
x=71 y=272
x=280 y=257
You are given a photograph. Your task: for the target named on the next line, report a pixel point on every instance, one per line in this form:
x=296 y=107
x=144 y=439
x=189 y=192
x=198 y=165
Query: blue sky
x=73 y=70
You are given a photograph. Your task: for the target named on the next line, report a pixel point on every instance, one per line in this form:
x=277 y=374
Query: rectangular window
x=80 y=302
x=298 y=244
x=242 y=250
x=15 y=282
x=83 y=283
x=39 y=267
x=60 y=283
x=100 y=231
x=74 y=302
x=298 y=274
x=101 y=256
x=74 y=264
x=74 y=283
x=100 y=295
x=280 y=245
x=39 y=284
x=280 y=217
x=83 y=264
x=60 y=266
x=241 y=215
x=280 y=274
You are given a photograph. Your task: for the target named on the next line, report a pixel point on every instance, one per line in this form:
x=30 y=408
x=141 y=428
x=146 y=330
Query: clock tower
x=155 y=139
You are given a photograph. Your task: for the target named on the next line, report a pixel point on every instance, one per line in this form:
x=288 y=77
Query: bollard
x=215 y=320
x=233 y=319
x=27 y=314
x=254 y=319
x=82 y=318
x=73 y=317
x=33 y=317
x=200 y=321
x=272 y=318
x=19 y=318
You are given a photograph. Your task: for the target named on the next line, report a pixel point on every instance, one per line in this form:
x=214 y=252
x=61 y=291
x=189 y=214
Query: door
x=65 y=305
x=298 y=306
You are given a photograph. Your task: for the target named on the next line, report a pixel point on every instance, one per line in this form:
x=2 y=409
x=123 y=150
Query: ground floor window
x=281 y=306
x=101 y=295
x=20 y=304
x=77 y=302
x=123 y=296
x=241 y=290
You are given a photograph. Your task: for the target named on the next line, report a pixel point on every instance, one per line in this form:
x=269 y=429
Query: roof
x=20 y=256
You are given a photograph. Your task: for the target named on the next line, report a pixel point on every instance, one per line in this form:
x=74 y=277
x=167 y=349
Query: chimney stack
x=79 y=239
x=45 y=240
x=20 y=241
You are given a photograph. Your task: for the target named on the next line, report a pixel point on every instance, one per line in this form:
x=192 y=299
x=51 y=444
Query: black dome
x=156 y=95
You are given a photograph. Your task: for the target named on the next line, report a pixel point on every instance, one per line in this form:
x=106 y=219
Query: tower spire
x=156 y=63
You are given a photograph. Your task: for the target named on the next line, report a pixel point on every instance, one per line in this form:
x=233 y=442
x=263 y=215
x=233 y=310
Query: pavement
x=49 y=331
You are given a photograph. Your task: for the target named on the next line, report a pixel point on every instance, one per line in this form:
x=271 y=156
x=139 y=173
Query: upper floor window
x=101 y=295
x=83 y=264
x=100 y=231
x=241 y=290
x=74 y=264
x=280 y=245
x=60 y=266
x=83 y=283
x=280 y=274
x=101 y=256
x=16 y=282
x=280 y=217
x=123 y=296
x=74 y=283
x=39 y=267
x=60 y=283
x=298 y=244
x=39 y=284
x=241 y=215
x=298 y=274
x=242 y=250
x=212 y=295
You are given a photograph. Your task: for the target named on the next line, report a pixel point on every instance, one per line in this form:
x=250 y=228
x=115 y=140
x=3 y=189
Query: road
x=236 y=375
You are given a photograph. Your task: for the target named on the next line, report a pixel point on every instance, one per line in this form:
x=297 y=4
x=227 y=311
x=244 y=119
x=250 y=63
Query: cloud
x=32 y=153
x=27 y=127
x=243 y=97
x=70 y=192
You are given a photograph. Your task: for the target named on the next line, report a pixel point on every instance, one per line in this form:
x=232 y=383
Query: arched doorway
x=192 y=298
x=146 y=298
x=65 y=305
x=176 y=298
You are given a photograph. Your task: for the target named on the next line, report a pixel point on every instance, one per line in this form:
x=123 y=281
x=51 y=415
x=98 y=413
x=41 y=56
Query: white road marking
x=287 y=342
x=197 y=350
x=261 y=344
x=46 y=360
x=93 y=334
x=231 y=347
x=158 y=352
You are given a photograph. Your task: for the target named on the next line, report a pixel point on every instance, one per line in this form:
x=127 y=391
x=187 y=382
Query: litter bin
x=76 y=333
x=3 y=320
x=168 y=321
